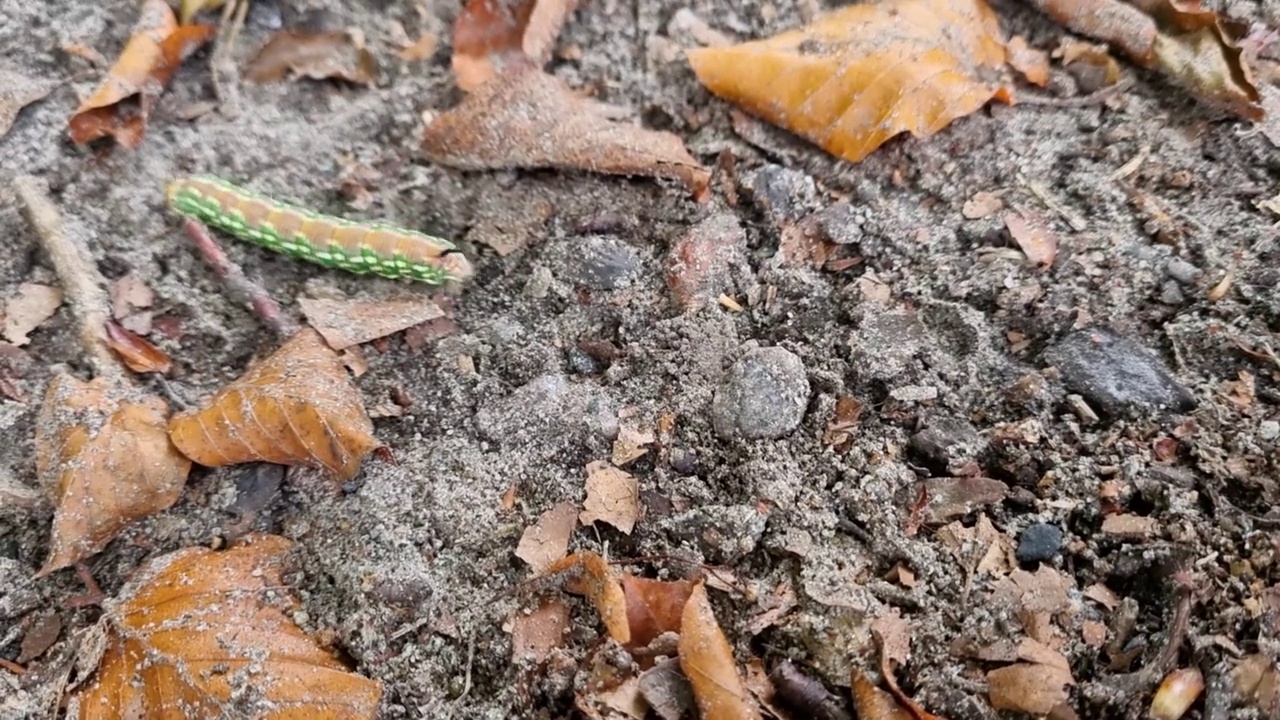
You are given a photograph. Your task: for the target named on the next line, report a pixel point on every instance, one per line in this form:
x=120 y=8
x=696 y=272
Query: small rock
x=580 y=362
x=1171 y=293
x=839 y=224
x=947 y=444
x=914 y=393
x=1129 y=527
x=1039 y=542
x=1269 y=430
x=1183 y=271
x=782 y=193
x=720 y=532
x=1116 y=374
x=603 y=263
x=954 y=497
x=763 y=396
x=701 y=264
x=886 y=343
x=684 y=461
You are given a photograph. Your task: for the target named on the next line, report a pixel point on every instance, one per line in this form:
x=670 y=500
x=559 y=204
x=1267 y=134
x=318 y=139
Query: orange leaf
x=546 y=541
x=707 y=660
x=136 y=351
x=858 y=76
x=612 y=497
x=199 y=633
x=654 y=606
x=106 y=461
x=297 y=407
x=319 y=56
x=1034 y=237
x=598 y=581
x=1033 y=688
x=526 y=118
x=491 y=34
x=872 y=703
x=154 y=52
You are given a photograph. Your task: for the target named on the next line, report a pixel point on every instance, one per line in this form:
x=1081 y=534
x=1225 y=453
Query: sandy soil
x=412 y=569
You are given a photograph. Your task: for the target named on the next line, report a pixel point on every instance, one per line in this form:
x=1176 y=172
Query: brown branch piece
x=84 y=286
x=240 y=288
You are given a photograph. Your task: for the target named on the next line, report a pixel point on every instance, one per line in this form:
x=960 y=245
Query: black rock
x=764 y=395
x=1116 y=374
x=603 y=263
x=946 y=444
x=684 y=461
x=581 y=363
x=1039 y=543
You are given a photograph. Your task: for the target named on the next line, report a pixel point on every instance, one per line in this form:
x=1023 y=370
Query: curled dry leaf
x=535 y=634
x=613 y=496
x=189 y=8
x=1031 y=62
x=207 y=632
x=1034 y=238
x=123 y=102
x=490 y=34
x=343 y=323
x=138 y=354
x=654 y=606
x=296 y=407
x=872 y=703
x=1033 y=688
x=1092 y=66
x=589 y=575
x=16 y=92
x=27 y=310
x=319 y=56
x=528 y=119
x=707 y=660
x=854 y=78
x=547 y=540
x=106 y=461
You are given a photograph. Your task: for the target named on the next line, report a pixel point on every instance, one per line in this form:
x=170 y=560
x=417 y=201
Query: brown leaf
x=123 y=102
x=1033 y=63
x=872 y=703
x=343 y=323
x=1092 y=66
x=189 y=8
x=138 y=354
x=40 y=637
x=528 y=119
x=208 y=632
x=950 y=498
x=490 y=34
x=1031 y=688
x=296 y=407
x=26 y=311
x=591 y=576
x=106 y=461
x=981 y=205
x=535 y=634
x=854 y=78
x=707 y=660
x=131 y=302
x=547 y=540
x=1035 y=239
x=894 y=635
x=612 y=496
x=16 y=92
x=421 y=49
x=319 y=56
x=654 y=606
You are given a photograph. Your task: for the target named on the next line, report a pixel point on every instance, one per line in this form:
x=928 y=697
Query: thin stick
x=83 y=284
x=240 y=288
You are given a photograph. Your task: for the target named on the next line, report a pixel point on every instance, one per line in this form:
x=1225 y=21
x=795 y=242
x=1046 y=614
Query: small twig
x=466 y=683
x=1094 y=98
x=94 y=596
x=240 y=288
x=83 y=285
x=227 y=89
x=12 y=667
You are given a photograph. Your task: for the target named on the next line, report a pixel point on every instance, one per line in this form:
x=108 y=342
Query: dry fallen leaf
x=131 y=303
x=1032 y=688
x=1034 y=238
x=319 y=56
x=106 y=461
x=528 y=119
x=490 y=34
x=189 y=8
x=654 y=606
x=613 y=496
x=872 y=703
x=1092 y=66
x=590 y=575
x=421 y=49
x=707 y=660
x=981 y=205
x=138 y=354
x=547 y=540
x=296 y=407
x=123 y=102
x=344 y=323
x=26 y=311
x=536 y=633
x=854 y=78
x=16 y=92
x=1033 y=63
x=204 y=633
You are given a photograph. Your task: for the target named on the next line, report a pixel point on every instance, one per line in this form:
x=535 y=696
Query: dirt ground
x=942 y=332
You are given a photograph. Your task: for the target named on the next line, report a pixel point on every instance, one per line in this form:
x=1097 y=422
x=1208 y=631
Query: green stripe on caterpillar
x=330 y=241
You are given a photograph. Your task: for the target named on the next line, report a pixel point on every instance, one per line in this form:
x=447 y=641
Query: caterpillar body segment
x=358 y=247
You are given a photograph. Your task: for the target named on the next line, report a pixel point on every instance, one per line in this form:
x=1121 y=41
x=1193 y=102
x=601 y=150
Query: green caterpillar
x=323 y=239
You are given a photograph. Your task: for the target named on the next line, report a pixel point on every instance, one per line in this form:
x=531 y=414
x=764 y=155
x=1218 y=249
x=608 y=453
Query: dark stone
x=947 y=444
x=581 y=363
x=782 y=193
x=1116 y=374
x=764 y=395
x=603 y=263
x=1039 y=542
x=684 y=461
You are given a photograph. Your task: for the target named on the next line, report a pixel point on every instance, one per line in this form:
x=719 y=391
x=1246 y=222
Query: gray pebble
x=947 y=443
x=1171 y=293
x=1116 y=374
x=603 y=263
x=1039 y=542
x=763 y=396
x=1182 y=271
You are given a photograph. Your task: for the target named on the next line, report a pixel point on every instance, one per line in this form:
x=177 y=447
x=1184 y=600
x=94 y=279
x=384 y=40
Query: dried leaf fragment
x=122 y=104
x=1031 y=62
x=707 y=660
x=547 y=540
x=296 y=407
x=105 y=460
x=138 y=354
x=1032 y=688
x=16 y=92
x=654 y=606
x=27 y=310
x=535 y=634
x=343 y=323
x=590 y=575
x=208 y=632
x=489 y=35
x=525 y=118
x=1034 y=238
x=856 y=77
x=872 y=703
x=319 y=56
x=613 y=496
